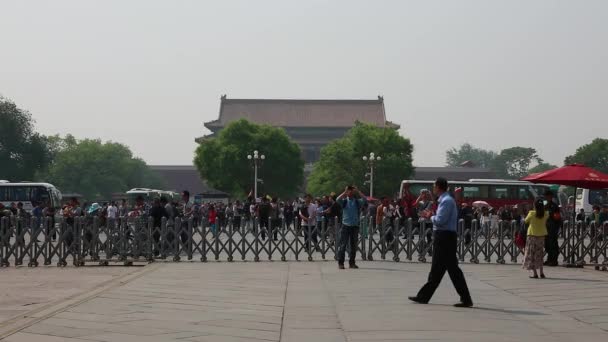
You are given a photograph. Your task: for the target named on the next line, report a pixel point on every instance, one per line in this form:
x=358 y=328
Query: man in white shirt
x=112 y=211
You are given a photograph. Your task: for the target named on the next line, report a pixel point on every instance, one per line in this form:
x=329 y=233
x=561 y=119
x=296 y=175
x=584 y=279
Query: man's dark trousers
x=552 y=244
x=444 y=259
x=310 y=237
x=348 y=235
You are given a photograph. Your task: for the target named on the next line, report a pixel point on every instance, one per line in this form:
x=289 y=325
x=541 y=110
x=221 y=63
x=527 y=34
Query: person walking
x=535 y=241
x=445 y=224
x=351 y=210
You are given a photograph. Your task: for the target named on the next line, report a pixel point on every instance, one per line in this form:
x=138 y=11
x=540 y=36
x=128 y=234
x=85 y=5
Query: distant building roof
x=184 y=177
x=302 y=113
x=452 y=173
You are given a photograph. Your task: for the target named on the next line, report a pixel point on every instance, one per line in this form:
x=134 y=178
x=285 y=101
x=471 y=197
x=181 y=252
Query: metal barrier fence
x=82 y=241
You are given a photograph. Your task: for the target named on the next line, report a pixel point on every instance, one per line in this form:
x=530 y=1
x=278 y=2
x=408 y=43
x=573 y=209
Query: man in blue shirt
x=351 y=209
x=445 y=222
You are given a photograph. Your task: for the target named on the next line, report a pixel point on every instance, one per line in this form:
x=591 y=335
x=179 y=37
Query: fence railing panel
x=84 y=240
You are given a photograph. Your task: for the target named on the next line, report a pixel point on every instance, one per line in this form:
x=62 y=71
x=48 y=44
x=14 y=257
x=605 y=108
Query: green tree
x=542 y=167
x=341 y=161
x=23 y=152
x=514 y=162
x=96 y=169
x=467 y=152
x=594 y=154
x=222 y=160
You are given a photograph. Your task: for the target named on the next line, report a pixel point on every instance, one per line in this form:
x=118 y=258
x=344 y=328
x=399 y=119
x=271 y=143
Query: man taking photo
x=351 y=210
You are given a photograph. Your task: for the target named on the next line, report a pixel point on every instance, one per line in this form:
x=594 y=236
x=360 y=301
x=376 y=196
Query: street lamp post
x=371 y=161
x=257 y=159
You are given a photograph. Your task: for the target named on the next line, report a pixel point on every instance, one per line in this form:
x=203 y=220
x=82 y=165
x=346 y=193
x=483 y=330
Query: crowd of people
x=314 y=217
x=271 y=213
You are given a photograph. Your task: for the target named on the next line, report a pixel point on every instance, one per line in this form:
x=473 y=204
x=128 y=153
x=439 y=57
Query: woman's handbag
x=520 y=241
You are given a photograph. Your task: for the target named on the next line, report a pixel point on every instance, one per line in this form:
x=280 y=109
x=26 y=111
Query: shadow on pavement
x=575 y=279
x=513 y=312
x=385 y=269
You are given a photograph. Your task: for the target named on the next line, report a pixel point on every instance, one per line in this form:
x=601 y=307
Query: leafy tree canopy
x=510 y=163
x=542 y=167
x=23 y=152
x=341 y=161
x=96 y=169
x=222 y=160
x=594 y=155
x=467 y=152
x=514 y=162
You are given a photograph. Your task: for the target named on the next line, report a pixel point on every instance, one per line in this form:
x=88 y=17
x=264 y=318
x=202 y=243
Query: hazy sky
x=149 y=73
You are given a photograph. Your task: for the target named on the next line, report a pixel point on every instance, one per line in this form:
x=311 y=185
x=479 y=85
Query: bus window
x=56 y=198
x=40 y=194
x=4 y=194
x=540 y=189
x=579 y=194
x=480 y=191
x=524 y=193
x=21 y=194
x=416 y=188
x=499 y=192
x=598 y=197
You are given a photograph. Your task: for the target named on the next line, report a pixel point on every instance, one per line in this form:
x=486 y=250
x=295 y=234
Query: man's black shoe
x=464 y=305
x=417 y=300
x=341 y=266
x=353 y=266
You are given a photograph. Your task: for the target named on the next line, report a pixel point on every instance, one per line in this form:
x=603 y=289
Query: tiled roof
x=302 y=113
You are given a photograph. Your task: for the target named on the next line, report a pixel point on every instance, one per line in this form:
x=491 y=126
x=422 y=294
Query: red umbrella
x=576 y=175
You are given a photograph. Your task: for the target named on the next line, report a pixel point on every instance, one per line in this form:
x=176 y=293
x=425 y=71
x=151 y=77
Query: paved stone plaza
x=297 y=301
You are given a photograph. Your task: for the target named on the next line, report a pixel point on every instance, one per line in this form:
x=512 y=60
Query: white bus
x=150 y=194
x=147 y=194
x=29 y=193
x=586 y=199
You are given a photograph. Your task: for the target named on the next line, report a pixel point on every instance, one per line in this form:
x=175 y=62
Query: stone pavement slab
x=314 y=301
x=25 y=289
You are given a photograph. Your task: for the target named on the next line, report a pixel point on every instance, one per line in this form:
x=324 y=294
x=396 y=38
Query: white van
x=586 y=199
